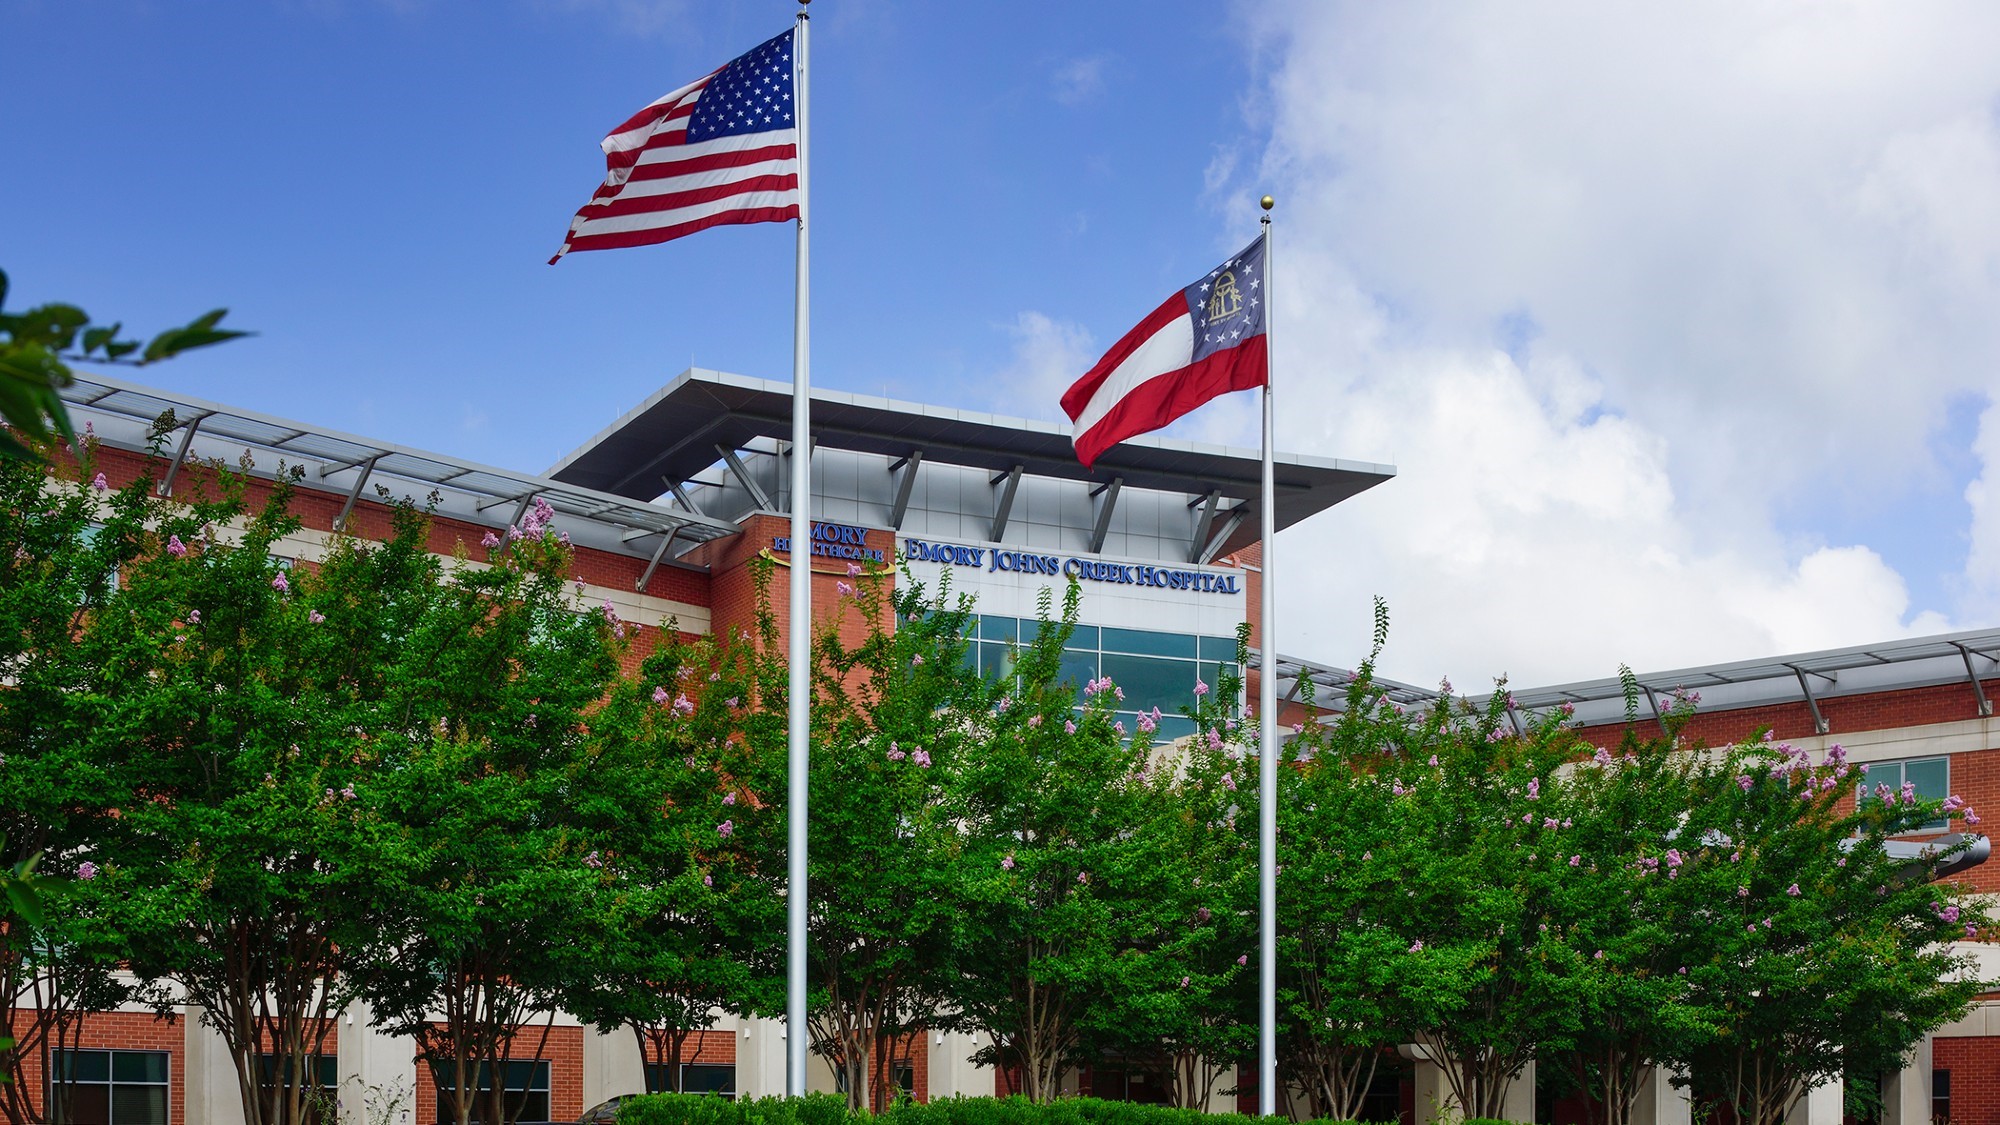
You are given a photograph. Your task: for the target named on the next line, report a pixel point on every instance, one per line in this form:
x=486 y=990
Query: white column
x=212 y=1095
x=1219 y=1100
x=1518 y=1103
x=1435 y=1104
x=612 y=1065
x=1659 y=1101
x=951 y=1074
x=1821 y=1106
x=377 y=1070
x=1906 y=1094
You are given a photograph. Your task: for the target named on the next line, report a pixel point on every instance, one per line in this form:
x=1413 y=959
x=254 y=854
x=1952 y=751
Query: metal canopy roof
x=330 y=452
x=1966 y=657
x=1330 y=683
x=674 y=433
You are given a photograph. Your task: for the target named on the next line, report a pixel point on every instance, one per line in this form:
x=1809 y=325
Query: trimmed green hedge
x=831 y=1109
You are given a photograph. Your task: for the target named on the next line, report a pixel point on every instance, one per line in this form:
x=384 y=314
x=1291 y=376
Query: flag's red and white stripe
x=658 y=187
x=1149 y=378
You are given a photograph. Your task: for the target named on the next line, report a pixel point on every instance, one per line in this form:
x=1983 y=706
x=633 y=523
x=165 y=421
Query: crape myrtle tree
x=61 y=543
x=894 y=723
x=1344 y=963
x=1070 y=884
x=241 y=700
x=1190 y=1001
x=496 y=781
x=1817 y=951
x=692 y=921
x=1620 y=912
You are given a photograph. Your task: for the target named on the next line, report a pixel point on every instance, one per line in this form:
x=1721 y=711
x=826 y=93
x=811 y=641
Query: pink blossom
x=175 y=547
x=1767 y=923
x=1970 y=816
x=1862 y=769
x=731 y=702
x=1599 y=956
x=683 y=705
x=921 y=758
x=592 y=860
x=100 y=484
x=1417 y=946
x=845 y=588
x=88 y=870
x=894 y=754
x=1244 y=959
x=490 y=541
x=1119 y=727
x=659 y=695
x=1083 y=876
x=1434 y=759
x=1954 y=803
x=1184 y=982
x=715 y=677
x=1200 y=688
x=1534 y=789
x=1147 y=725
x=1034 y=720
x=1007 y=862
x=279 y=584
x=347 y=792
x=708 y=880
x=853 y=570
x=1397 y=788
x=1202 y=915
x=729 y=798
x=1575 y=860
x=194 y=617
x=1743 y=782
x=1069 y=726
x=1229 y=781
x=1214 y=739
x=918 y=660
x=1118 y=692
x=1971 y=930
x=1743 y=892
x=1949 y=914
x=314 y=617
x=725 y=828
x=1793 y=890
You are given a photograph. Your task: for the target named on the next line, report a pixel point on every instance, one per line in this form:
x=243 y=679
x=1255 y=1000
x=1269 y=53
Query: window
x=905 y=1077
x=1154 y=669
x=1930 y=777
x=709 y=1078
x=1940 y=1097
x=326 y=1080
x=109 y=1088
x=527 y=1089
x=696 y=1078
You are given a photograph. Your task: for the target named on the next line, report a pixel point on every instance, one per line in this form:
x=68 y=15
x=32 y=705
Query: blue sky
x=376 y=188
x=1678 y=325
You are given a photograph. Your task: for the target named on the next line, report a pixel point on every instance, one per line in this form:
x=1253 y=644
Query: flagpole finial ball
x=1267 y=203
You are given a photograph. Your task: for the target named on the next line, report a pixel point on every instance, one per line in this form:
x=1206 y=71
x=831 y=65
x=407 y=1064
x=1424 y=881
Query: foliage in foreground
x=829 y=1109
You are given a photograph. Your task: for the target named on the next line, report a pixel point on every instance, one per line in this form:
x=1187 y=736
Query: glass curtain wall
x=1154 y=669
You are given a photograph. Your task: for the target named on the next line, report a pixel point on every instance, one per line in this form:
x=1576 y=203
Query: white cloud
x=1078 y=80
x=1739 y=256
x=1047 y=357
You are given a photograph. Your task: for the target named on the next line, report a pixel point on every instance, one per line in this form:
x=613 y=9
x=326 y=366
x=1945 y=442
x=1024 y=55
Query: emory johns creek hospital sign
x=842 y=541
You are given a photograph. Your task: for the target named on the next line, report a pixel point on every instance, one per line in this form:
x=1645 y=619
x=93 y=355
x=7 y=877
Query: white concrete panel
x=211 y=1090
x=376 y=1068
x=1906 y=1094
x=1820 y=1106
x=612 y=1065
x=1660 y=1102
x=952 y=1074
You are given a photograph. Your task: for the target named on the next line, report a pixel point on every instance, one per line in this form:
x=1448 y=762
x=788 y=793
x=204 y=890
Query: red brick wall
x=125 y=1031
x=564 y=1053
x=1974 y=1063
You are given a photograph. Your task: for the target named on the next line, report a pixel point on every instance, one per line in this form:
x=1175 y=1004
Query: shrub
x=831 y=1109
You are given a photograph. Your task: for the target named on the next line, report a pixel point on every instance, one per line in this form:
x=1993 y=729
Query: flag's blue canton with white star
x=1236 y=314
x=750 y=95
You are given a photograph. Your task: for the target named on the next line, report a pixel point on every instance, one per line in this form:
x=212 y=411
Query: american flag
x=722 y=149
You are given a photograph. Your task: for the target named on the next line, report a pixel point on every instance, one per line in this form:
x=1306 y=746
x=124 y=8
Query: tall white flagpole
x=798 y=718
x=1267 y=734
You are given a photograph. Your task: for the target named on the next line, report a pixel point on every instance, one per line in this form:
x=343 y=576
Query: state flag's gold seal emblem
x=1225 y=300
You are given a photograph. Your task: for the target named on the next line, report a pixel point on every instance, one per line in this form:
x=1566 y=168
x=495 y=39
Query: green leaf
x=200 y=332
x=96 y=338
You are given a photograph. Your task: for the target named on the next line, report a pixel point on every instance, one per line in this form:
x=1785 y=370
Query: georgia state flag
x=1203 y=341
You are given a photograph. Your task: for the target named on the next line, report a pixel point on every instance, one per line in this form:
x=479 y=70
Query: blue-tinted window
x=1931 y=777
x=109 y=1088
x=1150 y=682
x=1218 y=648
x=999 y=628
x=1145 y=642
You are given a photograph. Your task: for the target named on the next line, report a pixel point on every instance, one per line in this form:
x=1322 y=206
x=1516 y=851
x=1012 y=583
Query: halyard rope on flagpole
x=799 y=620
x=1267 y=732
